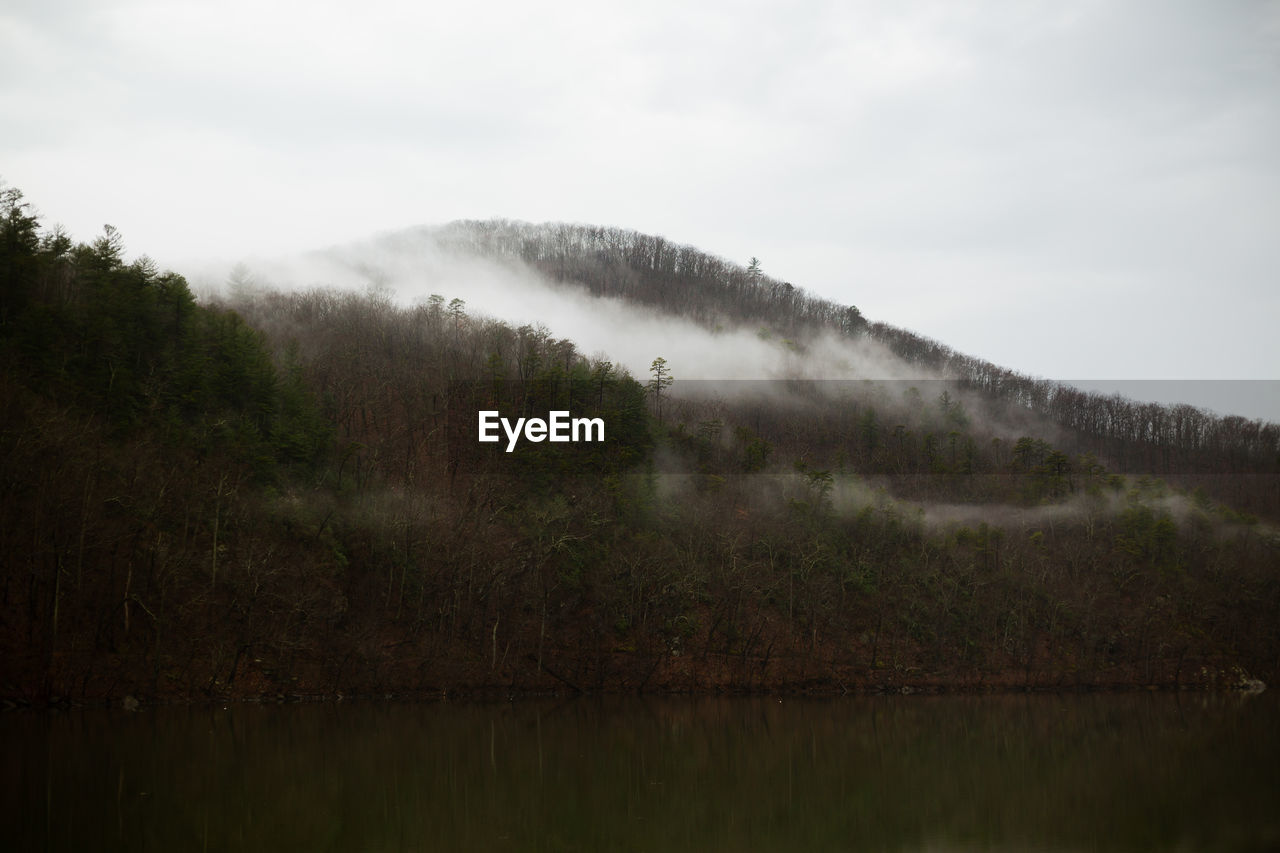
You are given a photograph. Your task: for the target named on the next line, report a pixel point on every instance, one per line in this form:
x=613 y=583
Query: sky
x=1080 y=191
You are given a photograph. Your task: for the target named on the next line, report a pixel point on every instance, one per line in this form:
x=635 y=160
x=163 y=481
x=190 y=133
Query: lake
x=1137 y=771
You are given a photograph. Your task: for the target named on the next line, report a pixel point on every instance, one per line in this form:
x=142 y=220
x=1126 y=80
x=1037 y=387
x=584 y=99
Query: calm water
x=1121 y=772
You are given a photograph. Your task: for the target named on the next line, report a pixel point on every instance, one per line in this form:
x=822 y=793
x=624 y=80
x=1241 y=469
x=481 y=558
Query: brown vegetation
x=280 y=500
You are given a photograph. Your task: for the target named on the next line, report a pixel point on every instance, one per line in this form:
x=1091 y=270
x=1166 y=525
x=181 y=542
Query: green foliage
x=131 y=344
x=19 y=253
x=173 y=508
x=869 y=430
x=1148 y=536
x=659 y=383
x=1049 y=471
x=953 y=413
x=755 y=450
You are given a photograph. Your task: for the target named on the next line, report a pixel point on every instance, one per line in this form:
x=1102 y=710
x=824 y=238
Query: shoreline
x=484 y=694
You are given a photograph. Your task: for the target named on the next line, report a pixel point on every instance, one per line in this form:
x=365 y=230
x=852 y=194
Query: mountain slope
x=1231 y=458
x=282 y=495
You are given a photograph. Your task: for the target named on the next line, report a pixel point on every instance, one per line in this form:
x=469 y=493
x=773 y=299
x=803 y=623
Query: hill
x=278 y=493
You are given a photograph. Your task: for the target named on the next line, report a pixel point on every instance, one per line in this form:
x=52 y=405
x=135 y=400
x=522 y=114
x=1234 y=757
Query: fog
x=413 y=265
x=746 y=362
x=711 y=366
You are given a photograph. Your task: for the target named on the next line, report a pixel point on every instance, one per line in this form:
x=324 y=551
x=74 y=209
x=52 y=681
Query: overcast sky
x=1073 y=189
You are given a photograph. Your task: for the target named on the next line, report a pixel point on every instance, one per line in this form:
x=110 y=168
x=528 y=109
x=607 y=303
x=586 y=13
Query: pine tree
x=660 y=382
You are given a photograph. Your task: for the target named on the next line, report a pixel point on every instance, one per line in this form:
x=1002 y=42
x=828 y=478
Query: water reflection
x=1050 y=772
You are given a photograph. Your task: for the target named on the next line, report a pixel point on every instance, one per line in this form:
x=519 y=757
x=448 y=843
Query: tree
x=660 y=382
x=19 y=239
x=458 y=311
x=853 y=323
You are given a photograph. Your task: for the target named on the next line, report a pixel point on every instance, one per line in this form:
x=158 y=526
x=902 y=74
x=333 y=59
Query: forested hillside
x=280 y=494
x=1232 y=457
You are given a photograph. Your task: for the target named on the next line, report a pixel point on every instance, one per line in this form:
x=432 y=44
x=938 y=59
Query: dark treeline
x=270 y=497
x=653 y=271
x=1235 y=458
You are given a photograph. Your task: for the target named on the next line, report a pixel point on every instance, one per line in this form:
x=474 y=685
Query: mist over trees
x=1232 y=456
x=280 y=494
x=652 y=271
